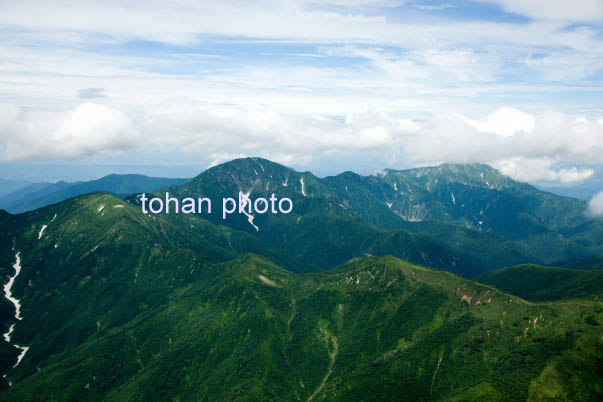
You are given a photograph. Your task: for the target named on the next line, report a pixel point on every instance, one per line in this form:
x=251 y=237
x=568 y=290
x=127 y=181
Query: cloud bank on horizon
x=511 y=83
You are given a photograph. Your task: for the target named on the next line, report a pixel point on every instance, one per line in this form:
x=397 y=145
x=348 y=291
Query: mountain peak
x=471 y=174
x=251 y=163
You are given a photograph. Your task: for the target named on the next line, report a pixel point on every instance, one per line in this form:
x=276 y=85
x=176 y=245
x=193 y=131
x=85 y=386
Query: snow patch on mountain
x=9 y=296
x=24 y=350
x=250 y=217
x=7 y=334
x=258 y=162
x=8 y=286
x=42 y=231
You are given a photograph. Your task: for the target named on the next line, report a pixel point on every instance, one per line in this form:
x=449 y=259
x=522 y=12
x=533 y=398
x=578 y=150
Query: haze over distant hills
x=37 y=195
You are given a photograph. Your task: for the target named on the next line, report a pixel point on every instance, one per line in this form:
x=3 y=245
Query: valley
x=330 y=302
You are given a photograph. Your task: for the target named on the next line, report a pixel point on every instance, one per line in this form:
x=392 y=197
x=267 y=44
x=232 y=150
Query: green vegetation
x=538 y=283
x=141 y=308
x=470 y=210
x=332 y=302
x=583 y=263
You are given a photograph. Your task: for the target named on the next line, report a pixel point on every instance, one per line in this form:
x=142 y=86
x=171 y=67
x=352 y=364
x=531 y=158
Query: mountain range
x=479 y=218
x=37 y=195
x=362 y=292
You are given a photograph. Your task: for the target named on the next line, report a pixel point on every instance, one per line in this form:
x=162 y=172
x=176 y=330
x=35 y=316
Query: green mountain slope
x=319 y=231
x=37 y=196
x=543 y=226
x=539 y=283
x=7 y=310
x=121 y=305
x=118 y=305
x=375 y=329
x=471 y=209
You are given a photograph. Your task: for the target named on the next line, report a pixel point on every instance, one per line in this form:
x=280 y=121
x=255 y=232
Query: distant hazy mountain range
x=120 y=305
x=7 y=186
x=37 y=195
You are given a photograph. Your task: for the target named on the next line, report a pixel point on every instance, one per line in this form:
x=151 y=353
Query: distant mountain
x=539 y=283
x=118 y=305
x=7 y=186
x=41 y=194
x=23 y=193
x=470 y=209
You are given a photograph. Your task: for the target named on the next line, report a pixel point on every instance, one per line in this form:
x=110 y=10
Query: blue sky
x=325 y=86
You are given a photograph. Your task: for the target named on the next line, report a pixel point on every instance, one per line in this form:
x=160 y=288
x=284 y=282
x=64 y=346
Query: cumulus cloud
x=541 y=170
x=523 y=146
x=595 y=206
x=505 y=121
x=86 y=130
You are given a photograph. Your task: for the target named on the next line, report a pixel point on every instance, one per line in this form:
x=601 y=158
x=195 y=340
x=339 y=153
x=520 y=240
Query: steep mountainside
x=7 y=310
x=319 y=231
x=472 y=209
x=183 y=317
x=66 y=245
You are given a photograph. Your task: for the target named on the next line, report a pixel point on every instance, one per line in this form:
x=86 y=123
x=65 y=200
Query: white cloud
x=523 y=146
x=505 y=121
x=595 y=206
x=184 y=22
x=381 y=86
x=218 y=158
x=86 y=130
x=565 y=66
x=50 y=55
x=540 y=170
